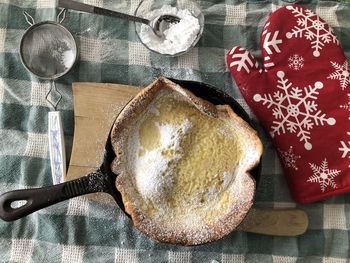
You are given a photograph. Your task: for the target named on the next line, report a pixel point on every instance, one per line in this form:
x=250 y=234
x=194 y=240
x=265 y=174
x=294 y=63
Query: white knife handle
x=56 y=147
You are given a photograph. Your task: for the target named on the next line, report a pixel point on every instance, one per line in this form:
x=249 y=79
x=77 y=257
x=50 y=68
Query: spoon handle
x=68 y=4
x=37 y=198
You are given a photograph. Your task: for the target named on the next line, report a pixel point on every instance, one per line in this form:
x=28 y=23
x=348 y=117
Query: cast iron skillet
x=103 y=179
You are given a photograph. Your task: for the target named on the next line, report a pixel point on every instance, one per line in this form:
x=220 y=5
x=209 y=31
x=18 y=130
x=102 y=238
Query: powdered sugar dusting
x=155 y=176
x=189 y=190
x=178 y=37
x=68 y=58
x=152 y=175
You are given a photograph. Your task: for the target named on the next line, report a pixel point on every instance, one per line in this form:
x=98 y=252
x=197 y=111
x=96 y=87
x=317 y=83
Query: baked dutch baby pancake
x=183 y=165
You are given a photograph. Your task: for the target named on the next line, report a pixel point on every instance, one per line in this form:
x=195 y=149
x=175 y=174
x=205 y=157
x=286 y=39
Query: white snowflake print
x=345 y=149
x=323 y=175
x=294 y=109
x=341 y=73
x=295 y=62
x=243 y=59
x=270 y=45
x=345 y=146
x=312 y=28
x=347 y=106
x=289 y=158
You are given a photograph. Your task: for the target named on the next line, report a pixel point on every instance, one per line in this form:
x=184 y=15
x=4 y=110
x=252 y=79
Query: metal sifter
x=49 y=51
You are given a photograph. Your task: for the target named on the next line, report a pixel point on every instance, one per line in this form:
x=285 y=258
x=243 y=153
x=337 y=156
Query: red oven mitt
x=301 y=97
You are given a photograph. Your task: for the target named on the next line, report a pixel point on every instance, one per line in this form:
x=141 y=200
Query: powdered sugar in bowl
x=178 y=38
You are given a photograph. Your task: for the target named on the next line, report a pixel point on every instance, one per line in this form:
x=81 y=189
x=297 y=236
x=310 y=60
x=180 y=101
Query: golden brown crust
x=239 y=207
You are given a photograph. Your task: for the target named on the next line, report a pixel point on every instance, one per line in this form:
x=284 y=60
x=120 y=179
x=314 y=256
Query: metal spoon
x=154 y=23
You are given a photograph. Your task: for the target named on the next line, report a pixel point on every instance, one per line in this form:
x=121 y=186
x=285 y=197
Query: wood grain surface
x=96 y=105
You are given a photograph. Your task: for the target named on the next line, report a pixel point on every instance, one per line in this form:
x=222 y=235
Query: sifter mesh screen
x=48 y=50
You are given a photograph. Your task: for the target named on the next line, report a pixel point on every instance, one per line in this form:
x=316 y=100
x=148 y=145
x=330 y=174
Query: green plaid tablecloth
x=85 y=231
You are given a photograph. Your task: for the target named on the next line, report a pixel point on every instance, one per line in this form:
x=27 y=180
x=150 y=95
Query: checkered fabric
x=80 y=230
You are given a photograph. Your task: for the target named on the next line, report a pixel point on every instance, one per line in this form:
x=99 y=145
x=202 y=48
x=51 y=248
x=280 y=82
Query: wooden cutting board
x=96 y=106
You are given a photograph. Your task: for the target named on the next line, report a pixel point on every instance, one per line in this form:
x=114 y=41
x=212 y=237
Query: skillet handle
x=38 y=198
